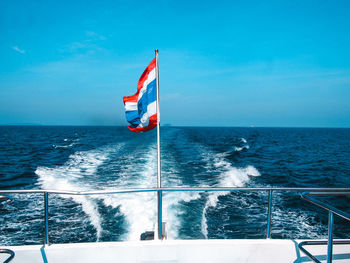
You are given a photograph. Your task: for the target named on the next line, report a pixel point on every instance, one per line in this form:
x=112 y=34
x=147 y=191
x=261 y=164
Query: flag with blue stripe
x=141 y=108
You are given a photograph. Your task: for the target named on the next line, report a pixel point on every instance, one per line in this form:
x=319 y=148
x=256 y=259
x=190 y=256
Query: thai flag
x=141 y=108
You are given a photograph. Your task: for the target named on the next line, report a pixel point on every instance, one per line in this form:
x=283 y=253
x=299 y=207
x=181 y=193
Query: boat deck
x=171 y=251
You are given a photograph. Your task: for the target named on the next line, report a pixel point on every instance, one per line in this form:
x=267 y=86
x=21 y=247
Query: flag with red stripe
x=141 y=108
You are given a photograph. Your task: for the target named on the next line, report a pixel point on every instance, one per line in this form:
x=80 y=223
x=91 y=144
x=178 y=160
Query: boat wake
x=63 y=159
x=138 y=169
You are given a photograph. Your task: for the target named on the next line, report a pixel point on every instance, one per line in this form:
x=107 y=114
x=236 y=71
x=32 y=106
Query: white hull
x=171 y=251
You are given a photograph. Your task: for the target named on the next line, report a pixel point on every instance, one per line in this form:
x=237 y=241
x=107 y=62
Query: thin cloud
x=16 y=48
x=89 y=45
x=94 y=36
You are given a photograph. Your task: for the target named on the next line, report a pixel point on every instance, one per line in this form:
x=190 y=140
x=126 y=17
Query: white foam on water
x=139 y=209
x=238 y=149
x=172 y=211
x=139 y=171
x=69 y=177
x=303 y=224
x=229 y=177
x=73 y=142
x=174 y=202
x=251 y=170
x=64 y=146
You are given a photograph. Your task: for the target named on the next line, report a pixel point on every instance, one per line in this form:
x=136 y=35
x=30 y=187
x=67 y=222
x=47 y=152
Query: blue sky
x=222 y=63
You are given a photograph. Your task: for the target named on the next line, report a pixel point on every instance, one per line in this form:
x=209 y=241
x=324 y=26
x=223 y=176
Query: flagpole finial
x=156 y=51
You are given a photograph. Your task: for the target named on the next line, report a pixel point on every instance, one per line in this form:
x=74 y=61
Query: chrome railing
x=269 y=190
x=310 y=197
x=7 y=251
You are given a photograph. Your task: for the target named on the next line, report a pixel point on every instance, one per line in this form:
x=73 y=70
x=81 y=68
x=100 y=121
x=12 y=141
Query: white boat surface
x=173 y=251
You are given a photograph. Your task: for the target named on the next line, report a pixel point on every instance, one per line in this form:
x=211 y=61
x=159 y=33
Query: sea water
x=107 y=158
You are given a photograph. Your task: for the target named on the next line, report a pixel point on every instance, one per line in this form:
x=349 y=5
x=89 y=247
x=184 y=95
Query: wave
x=229 y=177
x=63 y=146
x=139 y=208
x=238 y=149
x=172 y=210
x=69 y=177
x=221 y=173
x=245 y=146
x=73 y=142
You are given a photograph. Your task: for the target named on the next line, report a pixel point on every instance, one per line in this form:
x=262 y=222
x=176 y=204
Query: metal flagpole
x=159 y=185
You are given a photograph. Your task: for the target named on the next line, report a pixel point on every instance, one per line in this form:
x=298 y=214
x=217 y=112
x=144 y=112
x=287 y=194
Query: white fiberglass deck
x=171 y=251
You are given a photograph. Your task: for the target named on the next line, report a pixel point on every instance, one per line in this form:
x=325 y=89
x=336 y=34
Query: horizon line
x=169 y=125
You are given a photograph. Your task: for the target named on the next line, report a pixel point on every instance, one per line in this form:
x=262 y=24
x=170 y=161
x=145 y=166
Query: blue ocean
x=96 y=158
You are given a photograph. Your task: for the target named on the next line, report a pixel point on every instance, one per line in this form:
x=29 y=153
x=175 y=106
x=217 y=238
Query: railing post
x=46 y=217
x=159 y=194
x=330 y=237
x=268 y=232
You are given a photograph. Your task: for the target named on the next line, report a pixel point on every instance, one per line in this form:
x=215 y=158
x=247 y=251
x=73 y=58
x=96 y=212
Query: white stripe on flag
x=130 y=106
x=150 y=78
x=151 y=110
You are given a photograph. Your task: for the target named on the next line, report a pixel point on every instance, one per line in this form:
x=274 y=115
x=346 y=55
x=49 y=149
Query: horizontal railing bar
x=176 y=189
x=328 y=193
x=37 y=191
x=324 y=242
